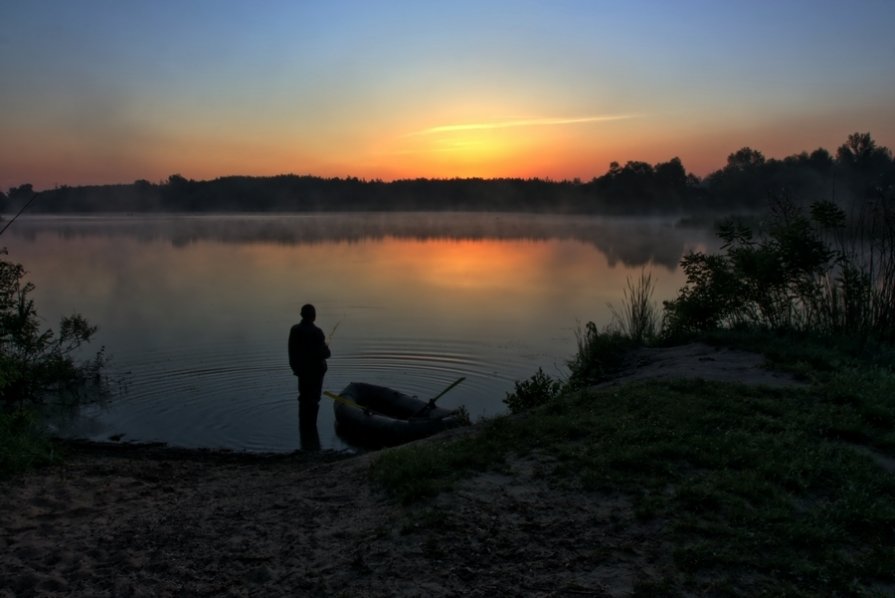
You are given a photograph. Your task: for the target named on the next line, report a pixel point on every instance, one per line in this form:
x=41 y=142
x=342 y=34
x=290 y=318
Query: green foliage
x=34 y=361
x=537 y=390
x=598 y=357
x=799 y=275
x=23 y=443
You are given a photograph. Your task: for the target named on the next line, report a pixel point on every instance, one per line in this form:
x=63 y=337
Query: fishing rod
x=27 y=203
x=333 y=331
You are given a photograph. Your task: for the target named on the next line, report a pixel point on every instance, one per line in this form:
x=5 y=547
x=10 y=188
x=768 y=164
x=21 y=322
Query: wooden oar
x=431 y=402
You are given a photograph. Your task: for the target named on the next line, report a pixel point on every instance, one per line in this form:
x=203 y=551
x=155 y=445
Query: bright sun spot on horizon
x=456 y=153
x=486 y=148
x=469 y=146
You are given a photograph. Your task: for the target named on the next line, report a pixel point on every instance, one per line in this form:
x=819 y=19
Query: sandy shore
x=148 y=521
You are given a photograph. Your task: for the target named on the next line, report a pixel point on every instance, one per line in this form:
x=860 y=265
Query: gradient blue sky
x=110 y=91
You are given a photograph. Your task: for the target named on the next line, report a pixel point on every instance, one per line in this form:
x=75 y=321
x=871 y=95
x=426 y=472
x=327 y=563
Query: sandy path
x=147 y=524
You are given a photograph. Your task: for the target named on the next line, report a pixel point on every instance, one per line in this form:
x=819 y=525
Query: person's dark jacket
x=307 y=350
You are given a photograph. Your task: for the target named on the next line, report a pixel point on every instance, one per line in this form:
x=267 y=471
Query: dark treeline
x=859 y=168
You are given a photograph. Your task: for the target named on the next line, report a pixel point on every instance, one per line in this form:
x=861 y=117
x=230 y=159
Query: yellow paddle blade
x=341 y=399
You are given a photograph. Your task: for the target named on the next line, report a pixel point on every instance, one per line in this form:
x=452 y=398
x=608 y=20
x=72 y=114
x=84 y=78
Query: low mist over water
x=194 y=311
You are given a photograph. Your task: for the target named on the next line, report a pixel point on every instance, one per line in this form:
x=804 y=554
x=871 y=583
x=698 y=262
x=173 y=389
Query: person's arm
x=325 y=353
x=293 y=350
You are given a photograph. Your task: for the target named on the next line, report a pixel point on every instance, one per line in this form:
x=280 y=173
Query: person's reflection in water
x=308 y=353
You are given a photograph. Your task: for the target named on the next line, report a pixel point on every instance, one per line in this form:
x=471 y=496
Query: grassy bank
x=744 y=490
x=733 y=489
x=777 y=491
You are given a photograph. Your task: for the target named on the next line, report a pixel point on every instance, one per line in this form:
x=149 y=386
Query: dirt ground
x=121 y=521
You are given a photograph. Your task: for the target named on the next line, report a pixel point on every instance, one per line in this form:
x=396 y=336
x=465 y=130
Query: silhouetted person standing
x=308 y=353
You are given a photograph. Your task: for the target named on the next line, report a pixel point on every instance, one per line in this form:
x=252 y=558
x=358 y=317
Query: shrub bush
x=807 y=272
x=537 y=390
x=34 y=362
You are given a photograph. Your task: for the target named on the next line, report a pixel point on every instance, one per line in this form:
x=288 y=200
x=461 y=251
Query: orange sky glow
x=463 y=89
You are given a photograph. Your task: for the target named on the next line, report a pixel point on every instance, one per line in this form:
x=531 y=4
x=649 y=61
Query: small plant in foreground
x=599 y=356
x=536 y=391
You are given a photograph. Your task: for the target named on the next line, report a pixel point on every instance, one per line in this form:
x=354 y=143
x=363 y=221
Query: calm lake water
x=194 y=311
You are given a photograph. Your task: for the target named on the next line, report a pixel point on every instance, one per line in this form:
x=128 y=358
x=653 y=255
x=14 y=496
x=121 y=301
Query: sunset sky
x=109 y=91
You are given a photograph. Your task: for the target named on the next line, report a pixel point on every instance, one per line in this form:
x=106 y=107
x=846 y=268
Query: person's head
x=308 y=312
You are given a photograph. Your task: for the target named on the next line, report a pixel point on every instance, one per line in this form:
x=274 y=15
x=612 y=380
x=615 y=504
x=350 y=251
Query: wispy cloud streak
x=525 y=122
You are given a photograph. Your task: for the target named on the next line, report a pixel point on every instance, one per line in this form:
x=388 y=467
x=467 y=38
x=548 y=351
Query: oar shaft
x=431 y=403
x=443 y=392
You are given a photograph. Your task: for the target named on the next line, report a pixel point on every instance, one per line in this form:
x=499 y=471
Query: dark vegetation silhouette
x=858 y=169
x=815 y=269
x=799 y=276
x=37 y=366
x=35 y=361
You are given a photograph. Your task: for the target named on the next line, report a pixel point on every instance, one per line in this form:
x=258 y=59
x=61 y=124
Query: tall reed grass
x=639 y=317
x=861 y=297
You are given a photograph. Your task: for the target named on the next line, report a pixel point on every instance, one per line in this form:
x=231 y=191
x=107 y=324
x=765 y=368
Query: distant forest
x=858 y=169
